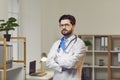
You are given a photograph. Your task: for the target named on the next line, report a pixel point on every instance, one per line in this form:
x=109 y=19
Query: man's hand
x=55 y=57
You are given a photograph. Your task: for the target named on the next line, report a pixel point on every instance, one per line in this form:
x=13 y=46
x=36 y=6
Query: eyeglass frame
x=66 y=25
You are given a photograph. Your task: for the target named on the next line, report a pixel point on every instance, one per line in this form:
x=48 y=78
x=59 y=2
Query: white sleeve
x=68 y=61
x=50 y=63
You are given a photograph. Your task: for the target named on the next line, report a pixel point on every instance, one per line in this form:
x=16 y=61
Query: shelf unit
x=103 y=57
x=19 y=64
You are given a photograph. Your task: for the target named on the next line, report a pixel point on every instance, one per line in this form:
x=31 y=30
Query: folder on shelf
x=119 y=57
x=97 y=43
x=104 y=43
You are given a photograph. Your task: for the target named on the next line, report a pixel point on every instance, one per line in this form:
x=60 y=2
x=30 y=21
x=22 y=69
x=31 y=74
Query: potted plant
x=87 y=43
x=8 y=25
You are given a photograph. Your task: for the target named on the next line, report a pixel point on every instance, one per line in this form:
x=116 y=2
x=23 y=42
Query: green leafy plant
x=87 y=42
x=10 y=24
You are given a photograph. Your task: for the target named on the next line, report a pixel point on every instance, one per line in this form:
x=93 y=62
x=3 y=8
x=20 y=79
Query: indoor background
x=39 y=20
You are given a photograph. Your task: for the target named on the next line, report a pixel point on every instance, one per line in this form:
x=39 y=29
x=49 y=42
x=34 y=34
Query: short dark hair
x=70 y=17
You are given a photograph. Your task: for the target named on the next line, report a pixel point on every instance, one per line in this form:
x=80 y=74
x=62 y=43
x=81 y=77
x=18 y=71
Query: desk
x=48 y=76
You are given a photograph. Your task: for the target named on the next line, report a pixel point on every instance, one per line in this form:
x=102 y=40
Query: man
x=67 y=54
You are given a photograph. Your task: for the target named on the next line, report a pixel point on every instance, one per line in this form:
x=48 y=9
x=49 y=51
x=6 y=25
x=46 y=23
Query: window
x=13 y=11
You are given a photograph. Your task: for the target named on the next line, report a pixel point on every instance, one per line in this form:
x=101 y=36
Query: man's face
x=66 y=27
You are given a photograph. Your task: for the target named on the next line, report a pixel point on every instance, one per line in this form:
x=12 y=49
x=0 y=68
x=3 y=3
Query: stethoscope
x=74 y=39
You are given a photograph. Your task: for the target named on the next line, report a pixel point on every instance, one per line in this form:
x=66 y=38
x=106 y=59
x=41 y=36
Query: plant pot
x=7 y=36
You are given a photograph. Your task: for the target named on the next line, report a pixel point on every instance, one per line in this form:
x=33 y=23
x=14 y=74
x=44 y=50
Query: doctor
x=67 y=54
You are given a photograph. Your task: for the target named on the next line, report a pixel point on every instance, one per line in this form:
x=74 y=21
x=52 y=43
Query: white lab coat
x=68 y=59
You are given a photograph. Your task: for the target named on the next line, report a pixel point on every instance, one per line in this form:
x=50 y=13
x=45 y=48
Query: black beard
x=66 y=32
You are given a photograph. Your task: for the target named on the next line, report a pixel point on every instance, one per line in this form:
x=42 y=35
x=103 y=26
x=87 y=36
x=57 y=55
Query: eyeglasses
x=66 y=25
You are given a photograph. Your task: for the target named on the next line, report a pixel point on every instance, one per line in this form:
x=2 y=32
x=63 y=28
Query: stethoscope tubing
x=74 y=39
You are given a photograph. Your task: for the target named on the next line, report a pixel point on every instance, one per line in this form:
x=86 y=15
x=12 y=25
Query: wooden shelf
x=17 y=64
x=103 y=47
x=115 y=79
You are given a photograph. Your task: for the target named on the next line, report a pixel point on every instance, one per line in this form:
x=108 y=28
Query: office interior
x=38 y=21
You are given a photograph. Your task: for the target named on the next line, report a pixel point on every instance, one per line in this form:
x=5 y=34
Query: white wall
x=49 y=21
x=93 y=17
x=3 y=11
x=30 y=26
x=39 y=20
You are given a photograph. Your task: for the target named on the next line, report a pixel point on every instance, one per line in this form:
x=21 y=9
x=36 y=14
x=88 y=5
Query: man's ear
x=73 y=25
